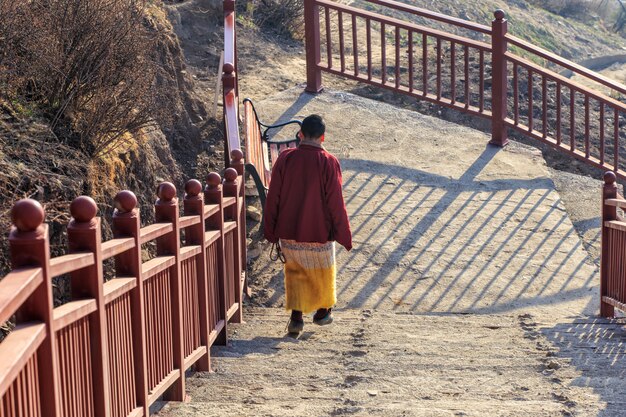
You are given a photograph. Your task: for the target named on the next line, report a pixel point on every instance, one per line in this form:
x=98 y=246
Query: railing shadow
x=429 y=243
x=596 y=349
x=458 y=245
x=259 y=345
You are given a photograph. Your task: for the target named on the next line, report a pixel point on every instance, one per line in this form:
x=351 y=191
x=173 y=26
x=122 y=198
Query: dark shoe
x=295 y=326
x=323 y=317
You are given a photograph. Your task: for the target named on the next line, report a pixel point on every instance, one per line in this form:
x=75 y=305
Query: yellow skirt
x=310 y=275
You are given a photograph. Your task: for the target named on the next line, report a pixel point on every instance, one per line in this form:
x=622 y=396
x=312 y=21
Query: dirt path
x=376 y=363
x=468 y=292
x=441 y=221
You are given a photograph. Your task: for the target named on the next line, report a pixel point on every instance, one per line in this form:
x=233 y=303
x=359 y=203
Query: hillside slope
x=36 y=162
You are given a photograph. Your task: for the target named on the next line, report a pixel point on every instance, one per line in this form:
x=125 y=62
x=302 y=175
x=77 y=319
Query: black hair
x=313 y=127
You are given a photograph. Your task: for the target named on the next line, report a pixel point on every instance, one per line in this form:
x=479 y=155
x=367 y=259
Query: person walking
x=304 y=216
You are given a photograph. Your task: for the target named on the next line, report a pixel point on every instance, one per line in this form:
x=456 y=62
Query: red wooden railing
x=613 y=259
x=232 y=143
x=117 y=346
x=499 y=79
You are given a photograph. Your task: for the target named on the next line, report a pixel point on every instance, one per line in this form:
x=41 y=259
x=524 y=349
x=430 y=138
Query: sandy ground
x=376 y=363
x=468 y=292
x=441 y=221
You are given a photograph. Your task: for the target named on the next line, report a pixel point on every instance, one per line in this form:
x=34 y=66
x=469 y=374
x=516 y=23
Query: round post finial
x=193 y=188
x=83 y=209
x=166 y=192
x=213 y=180
x=609 y=178
x=27 y=215
x=125 y=201
x=228 y=68
x=499 y=14
x=230 y=174
x=236 y=155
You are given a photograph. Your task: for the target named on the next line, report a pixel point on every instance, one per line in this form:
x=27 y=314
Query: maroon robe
x=304 y=202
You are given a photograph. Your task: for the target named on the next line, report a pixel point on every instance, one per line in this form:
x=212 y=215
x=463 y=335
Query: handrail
x=465 y=24
x=17 y=349
x=230 y=83
x=538 y=69
x=565 y=63
x=615 y=202
x=231 y=121
x=404 y=25
x=15 y=288
x=229 y=36
x=428 y=64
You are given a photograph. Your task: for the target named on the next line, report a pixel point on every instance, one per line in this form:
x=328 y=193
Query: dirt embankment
x=37 y=163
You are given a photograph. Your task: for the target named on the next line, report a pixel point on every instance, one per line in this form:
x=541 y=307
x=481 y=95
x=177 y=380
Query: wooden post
x=166 y=211
x=84 y=235
x=312 y=42
x=231 y=189
x=229 y=7
x=499 y=83
x=127 y=223
x=30 y=246
x=229 y=83
x=194 y=235
x=238 y=164
x=609 y=190
x=213 y=195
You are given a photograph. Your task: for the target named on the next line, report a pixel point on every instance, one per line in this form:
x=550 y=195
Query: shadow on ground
x=442 y=222
x=582 y=356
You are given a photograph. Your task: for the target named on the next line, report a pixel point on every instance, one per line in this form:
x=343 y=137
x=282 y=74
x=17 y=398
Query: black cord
x=276 y=253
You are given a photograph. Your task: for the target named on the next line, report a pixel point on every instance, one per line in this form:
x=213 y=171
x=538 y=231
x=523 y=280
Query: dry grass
x=90 y=66
x=285 y=17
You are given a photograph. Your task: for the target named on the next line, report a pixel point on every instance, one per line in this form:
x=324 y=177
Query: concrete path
x=468 y=291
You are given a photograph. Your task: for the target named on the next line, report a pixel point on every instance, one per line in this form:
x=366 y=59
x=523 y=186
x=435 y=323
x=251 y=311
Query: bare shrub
x=89 y=65
x=284 y=16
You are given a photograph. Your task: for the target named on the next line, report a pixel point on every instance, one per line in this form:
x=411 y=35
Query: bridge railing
x=513 y=83
x=115 y=347
x=613 y=255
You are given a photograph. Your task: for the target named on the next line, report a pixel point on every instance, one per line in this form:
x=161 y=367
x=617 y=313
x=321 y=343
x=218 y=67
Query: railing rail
x=117 y=346
x=417 y=11
x=565 y=63
x=521 y=93
x=230 y=83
